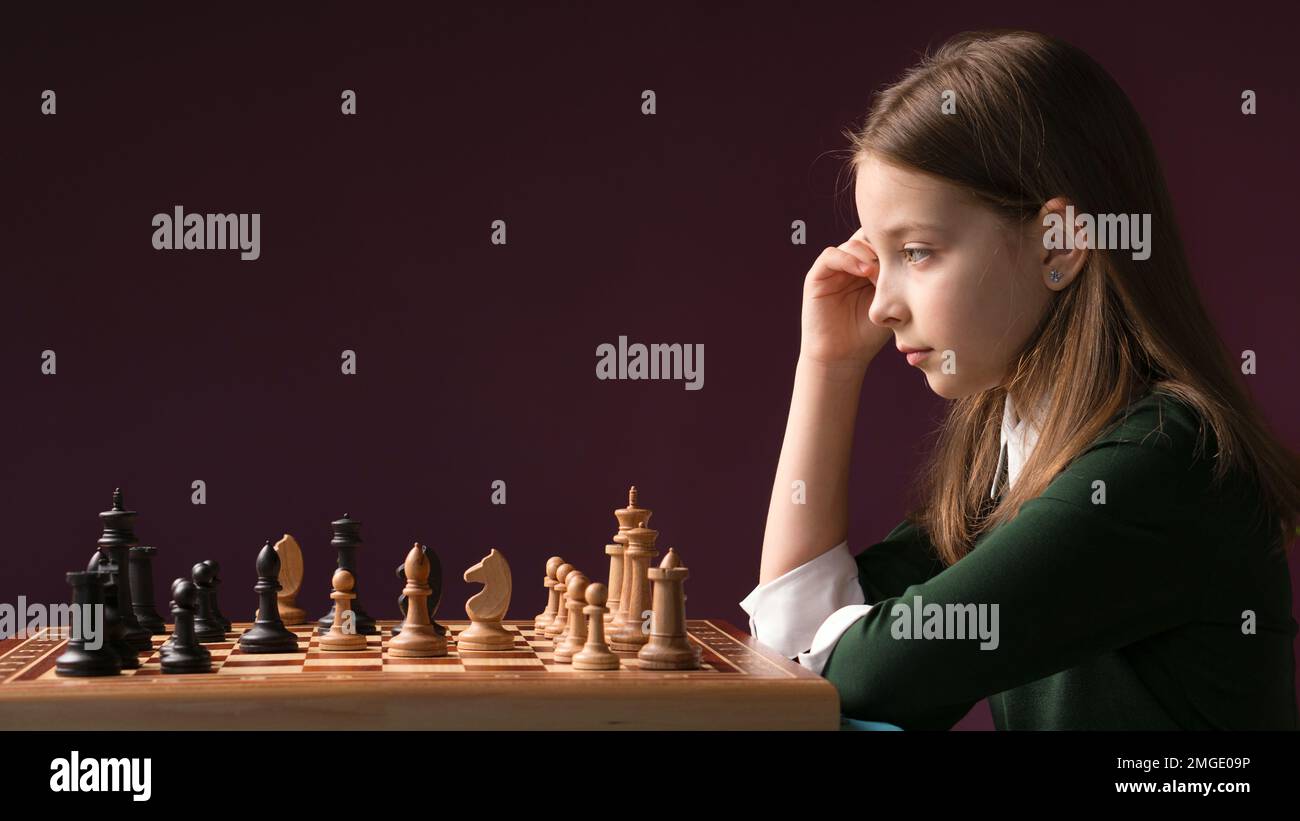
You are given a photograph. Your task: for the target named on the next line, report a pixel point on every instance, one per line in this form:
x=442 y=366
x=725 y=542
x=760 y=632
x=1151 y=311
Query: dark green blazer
x=1122 y=615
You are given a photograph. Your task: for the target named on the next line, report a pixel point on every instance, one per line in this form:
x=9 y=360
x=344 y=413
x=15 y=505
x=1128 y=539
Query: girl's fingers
x=858 y=246
x=860 y=249
x=840 y=259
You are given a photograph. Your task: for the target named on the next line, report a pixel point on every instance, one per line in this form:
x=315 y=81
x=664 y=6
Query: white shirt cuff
x=829 y=633
x=787 y=612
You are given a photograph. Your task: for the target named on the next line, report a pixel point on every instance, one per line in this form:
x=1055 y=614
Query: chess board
x=740 y=685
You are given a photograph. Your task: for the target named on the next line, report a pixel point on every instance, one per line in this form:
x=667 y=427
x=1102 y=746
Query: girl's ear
x=1064 y=243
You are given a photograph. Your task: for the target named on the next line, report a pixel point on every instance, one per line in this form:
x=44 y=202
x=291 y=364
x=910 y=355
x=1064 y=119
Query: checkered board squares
x=532 y=653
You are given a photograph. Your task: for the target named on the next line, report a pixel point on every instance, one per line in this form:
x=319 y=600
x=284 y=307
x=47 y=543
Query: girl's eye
x=914 y=261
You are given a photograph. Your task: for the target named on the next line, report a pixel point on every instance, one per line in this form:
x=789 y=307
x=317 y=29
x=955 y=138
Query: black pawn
x=206 y=626
x=347 y=538
x=216 y=583
x=142 y=601
x=78 y=659
x=435 y=587
x=268 y=634
x=185 y=655
x=114 y=631
x=166 y=646
x=117 y=538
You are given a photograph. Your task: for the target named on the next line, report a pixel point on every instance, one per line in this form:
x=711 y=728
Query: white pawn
x=556 y=627
x=544 y=618
x=336 y=640
x=595 y=655
x=576 y=636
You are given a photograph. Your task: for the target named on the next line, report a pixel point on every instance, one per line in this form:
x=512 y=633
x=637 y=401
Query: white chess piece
x=488 y=607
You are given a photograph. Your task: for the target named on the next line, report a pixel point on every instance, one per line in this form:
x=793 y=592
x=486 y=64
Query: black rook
x=142 y=600
x=77 y=659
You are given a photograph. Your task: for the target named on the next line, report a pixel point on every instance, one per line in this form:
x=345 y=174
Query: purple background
x=476 y=362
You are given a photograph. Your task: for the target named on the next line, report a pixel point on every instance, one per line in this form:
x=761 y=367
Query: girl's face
x=953 y=277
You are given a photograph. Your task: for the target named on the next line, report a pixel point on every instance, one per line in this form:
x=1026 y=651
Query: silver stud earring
x=1055 y=276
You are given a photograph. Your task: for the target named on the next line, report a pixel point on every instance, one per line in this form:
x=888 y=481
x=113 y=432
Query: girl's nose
x=887 y=306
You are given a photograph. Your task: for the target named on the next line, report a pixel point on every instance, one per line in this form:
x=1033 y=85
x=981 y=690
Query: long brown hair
x=1037 y=118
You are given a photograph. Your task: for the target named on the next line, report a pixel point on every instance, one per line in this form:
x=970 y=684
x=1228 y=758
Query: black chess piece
x=117 y=538
x=268 y=634
x=347 y=538
x=114 y=630
x=142 y=602
x=435 y=587
x=226 y=624
x=98 y=659
x=206 y=626
x=186 y=654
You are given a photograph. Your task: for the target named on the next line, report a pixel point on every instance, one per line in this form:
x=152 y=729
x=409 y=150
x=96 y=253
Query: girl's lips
x=917 y=357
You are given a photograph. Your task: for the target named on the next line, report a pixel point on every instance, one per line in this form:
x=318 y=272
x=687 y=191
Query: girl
x=1113 y=558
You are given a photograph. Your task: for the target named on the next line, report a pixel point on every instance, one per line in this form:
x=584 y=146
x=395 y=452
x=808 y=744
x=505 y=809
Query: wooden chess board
x=740 y=685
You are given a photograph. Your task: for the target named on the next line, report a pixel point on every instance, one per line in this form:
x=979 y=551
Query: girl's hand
x=837 y=293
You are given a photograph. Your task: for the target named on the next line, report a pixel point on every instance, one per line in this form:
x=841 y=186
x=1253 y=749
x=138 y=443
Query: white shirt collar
x=1016 y=443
